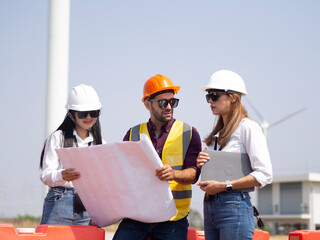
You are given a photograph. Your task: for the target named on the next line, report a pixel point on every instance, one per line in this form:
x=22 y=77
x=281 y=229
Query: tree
x=195 y=219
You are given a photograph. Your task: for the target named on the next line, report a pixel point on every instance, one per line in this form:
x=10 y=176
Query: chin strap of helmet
x=73 y=120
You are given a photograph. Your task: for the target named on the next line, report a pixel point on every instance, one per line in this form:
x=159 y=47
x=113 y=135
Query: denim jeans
x=228 y=216
x=135 y=230
x=58 y=208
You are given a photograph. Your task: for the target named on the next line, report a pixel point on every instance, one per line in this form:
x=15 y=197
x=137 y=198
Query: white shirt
x=248 y=138
x=52 y=167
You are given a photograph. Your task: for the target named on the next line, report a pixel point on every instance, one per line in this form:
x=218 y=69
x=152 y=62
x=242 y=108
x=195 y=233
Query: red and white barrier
x=51 y=232
x=304 y=235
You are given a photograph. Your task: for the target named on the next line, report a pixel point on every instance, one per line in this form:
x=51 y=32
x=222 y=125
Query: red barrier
x=260 y=235
x=52 y=232
x=304 y=235
x=193 y=234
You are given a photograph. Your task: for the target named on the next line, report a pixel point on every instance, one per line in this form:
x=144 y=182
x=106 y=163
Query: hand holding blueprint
x=118 y=181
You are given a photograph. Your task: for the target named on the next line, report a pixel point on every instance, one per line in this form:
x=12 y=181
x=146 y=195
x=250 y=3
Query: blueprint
x=118 y=181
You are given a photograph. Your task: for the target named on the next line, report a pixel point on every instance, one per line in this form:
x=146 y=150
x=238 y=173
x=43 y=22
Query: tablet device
x=224 y=166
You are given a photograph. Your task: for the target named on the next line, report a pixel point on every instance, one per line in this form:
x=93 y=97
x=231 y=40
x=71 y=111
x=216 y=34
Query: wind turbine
x=265 y=125
x=265 y=128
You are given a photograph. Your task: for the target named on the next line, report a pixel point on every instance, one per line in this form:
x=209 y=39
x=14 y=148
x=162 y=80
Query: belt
x=64 y=189
x=208 y=197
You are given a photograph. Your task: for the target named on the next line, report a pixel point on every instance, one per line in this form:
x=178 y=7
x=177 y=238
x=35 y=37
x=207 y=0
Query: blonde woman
x=228 y=212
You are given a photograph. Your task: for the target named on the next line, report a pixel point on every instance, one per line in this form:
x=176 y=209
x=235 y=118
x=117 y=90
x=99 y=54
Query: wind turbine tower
x=58 y=66
x=58 y=63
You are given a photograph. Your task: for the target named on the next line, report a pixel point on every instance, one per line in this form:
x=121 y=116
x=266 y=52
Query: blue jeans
x=58 y=208
x=228 y=216
x=135 y=230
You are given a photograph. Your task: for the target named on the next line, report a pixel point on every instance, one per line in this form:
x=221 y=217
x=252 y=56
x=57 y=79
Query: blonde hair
x=236 y=114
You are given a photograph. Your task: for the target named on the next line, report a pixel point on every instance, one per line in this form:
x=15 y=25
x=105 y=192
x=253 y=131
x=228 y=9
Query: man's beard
x=161 y=118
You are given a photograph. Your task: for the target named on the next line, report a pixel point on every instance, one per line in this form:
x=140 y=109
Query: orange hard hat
x=156 y=84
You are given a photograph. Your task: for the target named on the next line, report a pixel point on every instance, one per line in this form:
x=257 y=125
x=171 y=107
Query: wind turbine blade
x=287 y=117
x=256 y=111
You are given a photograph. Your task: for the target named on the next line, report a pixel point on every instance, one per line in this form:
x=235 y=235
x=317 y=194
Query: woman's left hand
x=70 y=174
x=212 y=187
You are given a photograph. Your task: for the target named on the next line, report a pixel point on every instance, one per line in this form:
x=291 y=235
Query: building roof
x=305 y=177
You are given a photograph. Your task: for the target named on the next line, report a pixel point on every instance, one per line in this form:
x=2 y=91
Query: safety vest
x=173 y=154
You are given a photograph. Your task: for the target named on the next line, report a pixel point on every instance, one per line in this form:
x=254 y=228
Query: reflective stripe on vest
x=173 y=154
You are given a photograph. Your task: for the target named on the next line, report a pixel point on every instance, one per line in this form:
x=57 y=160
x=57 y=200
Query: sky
x=115 y=46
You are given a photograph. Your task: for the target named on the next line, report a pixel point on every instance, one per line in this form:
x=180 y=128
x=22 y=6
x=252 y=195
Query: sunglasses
x=84 y=114
x=163 y=103
x=213 y=96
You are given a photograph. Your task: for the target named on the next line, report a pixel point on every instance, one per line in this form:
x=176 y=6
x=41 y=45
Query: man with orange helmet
x=178 y=145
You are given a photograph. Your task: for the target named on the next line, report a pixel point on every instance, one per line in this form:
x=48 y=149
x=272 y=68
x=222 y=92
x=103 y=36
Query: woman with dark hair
x=228 y=212
x=80 y=128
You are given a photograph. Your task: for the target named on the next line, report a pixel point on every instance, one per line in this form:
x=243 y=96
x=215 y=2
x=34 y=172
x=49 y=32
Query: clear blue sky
x=115 y=46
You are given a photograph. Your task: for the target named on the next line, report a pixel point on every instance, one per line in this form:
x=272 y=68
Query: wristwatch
x=229 y=186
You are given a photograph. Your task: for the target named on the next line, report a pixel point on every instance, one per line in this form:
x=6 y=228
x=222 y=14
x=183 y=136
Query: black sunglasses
x=214 y=96
x=84 y=114
x=163 y=103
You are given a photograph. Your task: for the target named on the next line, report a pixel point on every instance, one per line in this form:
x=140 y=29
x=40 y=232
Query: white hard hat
x=226 y=80
x=83 y=98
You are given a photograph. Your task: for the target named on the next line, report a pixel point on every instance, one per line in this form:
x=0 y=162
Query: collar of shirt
x=86 y=141
x=164 y=128
x=235 y=144
x=158 y=142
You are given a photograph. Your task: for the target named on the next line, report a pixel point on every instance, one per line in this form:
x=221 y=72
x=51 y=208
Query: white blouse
x=52 y=167
x=248 y=138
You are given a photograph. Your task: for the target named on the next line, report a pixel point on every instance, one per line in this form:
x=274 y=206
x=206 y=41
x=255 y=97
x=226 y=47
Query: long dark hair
x=67 y=127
